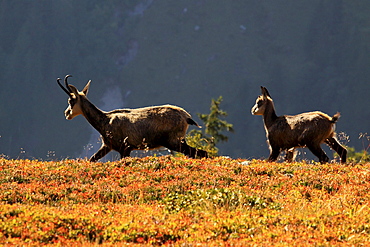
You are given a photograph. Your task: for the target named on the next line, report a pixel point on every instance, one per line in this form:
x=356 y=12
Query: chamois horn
x=66 y=83
x=64 y=89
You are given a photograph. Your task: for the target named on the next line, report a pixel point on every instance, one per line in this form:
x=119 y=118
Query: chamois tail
x=192 y=122
x=335 y=118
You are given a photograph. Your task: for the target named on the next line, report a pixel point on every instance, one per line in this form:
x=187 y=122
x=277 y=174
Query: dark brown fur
x=286 y=133
x=124 y=130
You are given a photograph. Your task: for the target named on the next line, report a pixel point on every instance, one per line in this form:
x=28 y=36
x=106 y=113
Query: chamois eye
x=259 y=103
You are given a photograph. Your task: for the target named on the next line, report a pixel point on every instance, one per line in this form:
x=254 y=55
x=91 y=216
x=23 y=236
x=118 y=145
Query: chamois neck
x=269 y=116
x=96 y=117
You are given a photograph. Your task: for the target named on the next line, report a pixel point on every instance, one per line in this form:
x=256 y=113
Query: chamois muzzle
x=254 y=110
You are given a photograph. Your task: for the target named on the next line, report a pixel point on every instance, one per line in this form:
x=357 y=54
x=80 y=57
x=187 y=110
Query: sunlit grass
x=175 y=200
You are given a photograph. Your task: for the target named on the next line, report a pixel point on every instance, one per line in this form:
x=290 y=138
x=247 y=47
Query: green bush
x=214 y=127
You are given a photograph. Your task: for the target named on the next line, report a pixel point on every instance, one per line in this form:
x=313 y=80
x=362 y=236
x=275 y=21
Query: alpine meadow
x=176 y=201
x=163 y=148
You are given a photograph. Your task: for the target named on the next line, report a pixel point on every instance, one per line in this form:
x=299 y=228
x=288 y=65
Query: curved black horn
x=66 y=83
x=65 y=90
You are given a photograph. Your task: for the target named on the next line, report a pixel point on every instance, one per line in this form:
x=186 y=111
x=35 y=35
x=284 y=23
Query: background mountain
x=310 y=54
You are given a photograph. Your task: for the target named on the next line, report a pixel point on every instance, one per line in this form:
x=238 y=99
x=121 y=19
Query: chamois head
x=74 y=102
x=262 y=103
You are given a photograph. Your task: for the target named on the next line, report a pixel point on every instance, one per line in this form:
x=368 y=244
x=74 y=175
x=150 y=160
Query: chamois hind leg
x=319 y=153
x=125 y=152
x=192 y=152
x=182 y=147
x=100 y=153
x=341 y=151
x=201 y=153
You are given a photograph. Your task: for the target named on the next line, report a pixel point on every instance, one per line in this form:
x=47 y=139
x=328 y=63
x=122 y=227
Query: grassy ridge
x=168 y=200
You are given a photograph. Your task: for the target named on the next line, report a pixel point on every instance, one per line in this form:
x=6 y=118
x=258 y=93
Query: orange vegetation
x=179 y=201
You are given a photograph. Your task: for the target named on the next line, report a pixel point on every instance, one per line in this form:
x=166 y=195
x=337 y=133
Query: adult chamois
x=286 y=133
x=124 y=130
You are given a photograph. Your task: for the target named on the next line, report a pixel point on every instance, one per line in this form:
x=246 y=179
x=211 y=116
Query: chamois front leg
x=100 y=153
x=274 y=151
x=274 y=154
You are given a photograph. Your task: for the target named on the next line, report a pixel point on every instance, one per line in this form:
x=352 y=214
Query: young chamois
x=124 y=130
x=286 y=133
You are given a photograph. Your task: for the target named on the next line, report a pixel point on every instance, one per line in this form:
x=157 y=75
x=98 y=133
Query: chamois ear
x=86 y=88
x=265 y=92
